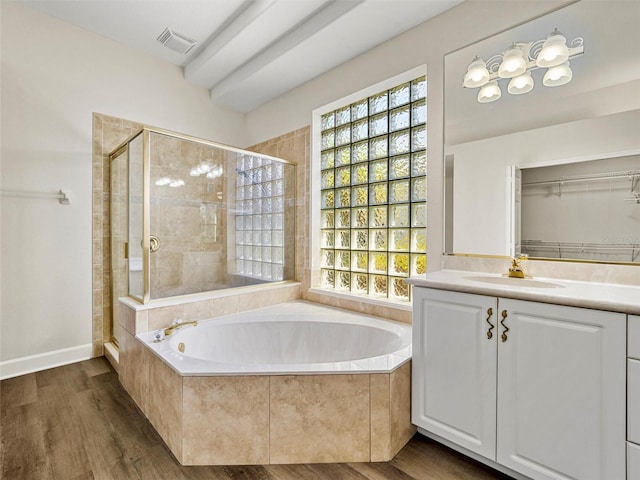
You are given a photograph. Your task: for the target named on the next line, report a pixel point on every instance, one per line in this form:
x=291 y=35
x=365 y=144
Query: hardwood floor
x=76 y=422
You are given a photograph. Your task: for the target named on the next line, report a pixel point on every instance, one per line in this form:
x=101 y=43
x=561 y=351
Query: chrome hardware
x=158 y=336
x=491 y=326
x=506 y=329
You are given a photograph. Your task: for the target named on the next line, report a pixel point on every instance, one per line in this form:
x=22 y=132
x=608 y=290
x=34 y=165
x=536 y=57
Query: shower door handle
x=154 y=243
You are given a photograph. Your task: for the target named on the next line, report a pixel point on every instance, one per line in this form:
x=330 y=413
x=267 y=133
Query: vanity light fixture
x=215 y=172
x=518 y=61
x=211 y=171
x=201 y=169
x=489 y=92
x=513 y=62
x=164 y=181
x=558 y=75
x=521 y=84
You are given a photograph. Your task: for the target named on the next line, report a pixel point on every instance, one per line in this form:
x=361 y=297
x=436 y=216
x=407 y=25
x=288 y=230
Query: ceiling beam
x=323 y=19
x=260 y=25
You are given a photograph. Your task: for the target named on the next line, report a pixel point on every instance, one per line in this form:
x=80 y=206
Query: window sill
x=387 y=303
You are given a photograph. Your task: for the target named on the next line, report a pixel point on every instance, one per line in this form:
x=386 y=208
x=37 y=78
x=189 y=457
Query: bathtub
x=290 y=338
x=291 y=383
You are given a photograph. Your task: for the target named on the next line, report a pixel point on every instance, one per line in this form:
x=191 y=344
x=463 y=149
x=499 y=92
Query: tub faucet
x=168 y=331
x=515 y=270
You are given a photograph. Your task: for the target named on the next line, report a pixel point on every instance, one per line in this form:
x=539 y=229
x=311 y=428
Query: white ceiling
x=249 y=51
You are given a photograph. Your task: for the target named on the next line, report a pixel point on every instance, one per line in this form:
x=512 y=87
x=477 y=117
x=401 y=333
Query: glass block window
x=373 y=193
x=259 y=218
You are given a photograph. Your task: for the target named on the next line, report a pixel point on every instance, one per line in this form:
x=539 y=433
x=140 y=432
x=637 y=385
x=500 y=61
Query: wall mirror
x=495 y=152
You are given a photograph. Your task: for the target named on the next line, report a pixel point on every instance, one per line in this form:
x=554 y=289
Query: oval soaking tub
x=291 y=383
x=292 y=337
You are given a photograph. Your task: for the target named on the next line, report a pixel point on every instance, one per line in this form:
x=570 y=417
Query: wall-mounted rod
x=61 y=196
x=589 y=177
x=534 y=247
x=542 y=245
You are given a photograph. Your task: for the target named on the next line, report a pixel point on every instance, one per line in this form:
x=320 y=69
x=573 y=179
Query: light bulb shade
x=558 y=75
x=520 y=84
x=489 y=92
x=513 y=63
x=554 y=51
x=477 y=74
x=215 y=172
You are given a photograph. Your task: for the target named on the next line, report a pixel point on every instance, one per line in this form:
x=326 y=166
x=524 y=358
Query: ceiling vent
x=175 y=41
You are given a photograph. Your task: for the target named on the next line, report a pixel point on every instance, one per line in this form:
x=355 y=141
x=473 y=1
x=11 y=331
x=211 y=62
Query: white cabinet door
x=561 y=392
x=633 y=401
x=633 y=337
x=454 y=367
x=633 y=461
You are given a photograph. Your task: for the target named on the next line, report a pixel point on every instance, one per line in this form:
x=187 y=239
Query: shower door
x=126 y=227
x=119 y=220
x=135 y=219
x=187 y=208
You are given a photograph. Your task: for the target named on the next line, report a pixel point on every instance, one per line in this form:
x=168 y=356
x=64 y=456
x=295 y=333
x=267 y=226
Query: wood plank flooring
x=77 y=423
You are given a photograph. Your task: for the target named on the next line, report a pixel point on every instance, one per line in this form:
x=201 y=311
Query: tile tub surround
x=137 y=318
x=268 y=419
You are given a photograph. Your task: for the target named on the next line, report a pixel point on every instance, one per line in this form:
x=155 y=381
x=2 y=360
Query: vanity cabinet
x=633 y=399
x=534 y=387
x=454 y=367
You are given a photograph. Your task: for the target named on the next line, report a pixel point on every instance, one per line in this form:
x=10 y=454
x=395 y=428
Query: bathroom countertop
x=599 y=296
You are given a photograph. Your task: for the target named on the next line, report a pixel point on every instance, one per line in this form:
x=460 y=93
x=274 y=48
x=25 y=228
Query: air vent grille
x=175 y=41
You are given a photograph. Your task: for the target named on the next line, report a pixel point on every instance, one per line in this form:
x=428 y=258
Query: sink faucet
x=515 y=270
x=168 y=331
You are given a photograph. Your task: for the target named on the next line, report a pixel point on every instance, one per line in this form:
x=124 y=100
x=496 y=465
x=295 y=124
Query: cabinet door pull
x=506 y=329
x=491 y=326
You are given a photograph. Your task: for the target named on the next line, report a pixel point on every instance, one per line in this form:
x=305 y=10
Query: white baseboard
x=44 y=361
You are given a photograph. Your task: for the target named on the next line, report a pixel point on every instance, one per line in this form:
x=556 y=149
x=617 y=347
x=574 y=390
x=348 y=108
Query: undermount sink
x=515 y=282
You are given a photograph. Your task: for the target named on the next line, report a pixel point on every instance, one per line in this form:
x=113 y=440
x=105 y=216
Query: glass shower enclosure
x=190 y=215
